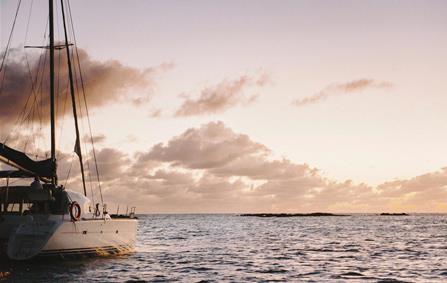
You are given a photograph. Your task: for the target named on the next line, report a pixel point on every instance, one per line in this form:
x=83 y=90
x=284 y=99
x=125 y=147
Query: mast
x=52 y=106
x=73 y=100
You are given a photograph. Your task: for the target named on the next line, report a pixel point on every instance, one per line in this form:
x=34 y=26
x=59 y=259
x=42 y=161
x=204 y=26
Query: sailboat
x=45 y=218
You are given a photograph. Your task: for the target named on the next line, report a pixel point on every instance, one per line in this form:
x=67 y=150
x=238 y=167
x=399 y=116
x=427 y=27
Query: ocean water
x=230 y=248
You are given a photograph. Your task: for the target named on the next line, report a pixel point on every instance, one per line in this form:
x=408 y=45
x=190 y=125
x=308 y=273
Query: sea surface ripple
x=231 y=248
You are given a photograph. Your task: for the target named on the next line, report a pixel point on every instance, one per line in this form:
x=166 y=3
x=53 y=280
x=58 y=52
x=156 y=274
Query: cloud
x=424 y=192
x=172 y=177
x=343 y=88
x=111 y=163
x=142 y=165
x=97 y=139
x=105 y=82
x=258 y=167
x=156 y=113
x=221 y=97
x=215 y=144
x=211 y=168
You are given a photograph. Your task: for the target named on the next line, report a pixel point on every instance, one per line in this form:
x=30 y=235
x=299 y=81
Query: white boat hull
x=100 y=237
x=24 y=238
x=29 y=234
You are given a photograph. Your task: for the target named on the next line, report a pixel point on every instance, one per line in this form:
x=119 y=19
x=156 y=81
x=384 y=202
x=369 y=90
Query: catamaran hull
x=58 y=237
x=99 y=237
x=8 y=224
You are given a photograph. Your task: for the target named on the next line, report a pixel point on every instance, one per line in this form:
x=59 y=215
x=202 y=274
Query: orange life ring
x=75 y=211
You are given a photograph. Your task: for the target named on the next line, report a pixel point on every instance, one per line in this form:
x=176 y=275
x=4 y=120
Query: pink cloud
x=211 y=168
x=221 y=97
x=341 y=89
x=105 y=82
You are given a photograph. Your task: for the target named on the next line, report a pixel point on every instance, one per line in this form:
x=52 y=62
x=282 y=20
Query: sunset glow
x=248 y=106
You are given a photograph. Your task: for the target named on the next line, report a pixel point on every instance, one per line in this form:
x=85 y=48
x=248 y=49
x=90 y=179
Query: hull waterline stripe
x=81 y=250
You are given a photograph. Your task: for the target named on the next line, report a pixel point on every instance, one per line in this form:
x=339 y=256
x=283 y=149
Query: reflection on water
x=193 y=248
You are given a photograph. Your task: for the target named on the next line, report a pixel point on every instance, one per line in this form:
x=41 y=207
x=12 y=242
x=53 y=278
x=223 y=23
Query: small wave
x=311 y=273
x=273 y=271
x=178 y=238
x=282 y=258
x=352 y=274
x=352 y=250
x=346 y=257
x=202 y=268
x=188 y=269
x=391 y=280
x=306 y=251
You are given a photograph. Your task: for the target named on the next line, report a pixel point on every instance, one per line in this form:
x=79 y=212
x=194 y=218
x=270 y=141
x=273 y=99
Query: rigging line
x=26 y=55
x=89 y=174
x=58 y=24
x=81 y=124
x=39 y=112
x=85 y=149
x=31 y=118
x=33 y=90
x=59 y=63
x=34 y=109
x=27 y=24
x=62 y=123
x=25 y=40
x=90 y=179
x=39 y=91
x=69 y=171
x=38 y=96
x=7 y=48
x=41 y=99
x=10 y=35
x=21 y=116
x=73 y=100
x=34 y=81
x=58 y=82
x=82 y=128
x=85 y=102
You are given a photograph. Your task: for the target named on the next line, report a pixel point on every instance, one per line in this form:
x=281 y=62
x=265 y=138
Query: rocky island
x=314 y=214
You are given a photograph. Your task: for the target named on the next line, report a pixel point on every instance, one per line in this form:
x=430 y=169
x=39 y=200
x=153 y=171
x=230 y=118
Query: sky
x=238 y=106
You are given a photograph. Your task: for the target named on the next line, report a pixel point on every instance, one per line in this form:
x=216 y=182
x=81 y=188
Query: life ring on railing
x=75 y=211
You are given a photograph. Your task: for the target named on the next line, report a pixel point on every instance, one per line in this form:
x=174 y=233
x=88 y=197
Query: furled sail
x=43 y=168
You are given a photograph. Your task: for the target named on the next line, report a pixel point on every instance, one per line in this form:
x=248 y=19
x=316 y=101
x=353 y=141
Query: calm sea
x=230 y=248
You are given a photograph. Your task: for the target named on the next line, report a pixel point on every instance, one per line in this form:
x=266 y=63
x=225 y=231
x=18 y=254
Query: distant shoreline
x=315 y=214
x=394 y=214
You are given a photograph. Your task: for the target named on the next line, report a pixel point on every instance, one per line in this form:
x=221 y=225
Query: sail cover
x=43 y=168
